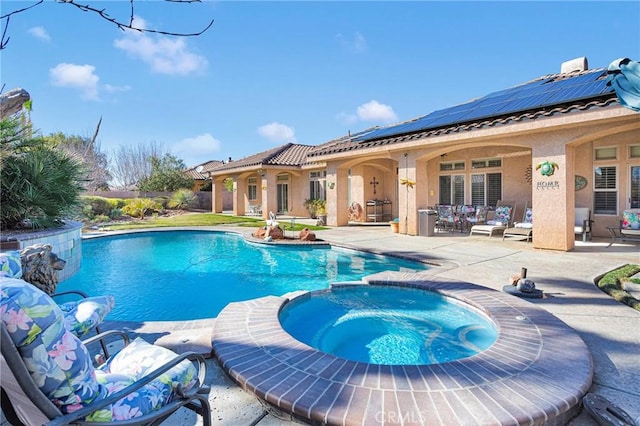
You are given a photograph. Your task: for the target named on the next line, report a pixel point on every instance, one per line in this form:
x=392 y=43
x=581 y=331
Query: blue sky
x=268 y=73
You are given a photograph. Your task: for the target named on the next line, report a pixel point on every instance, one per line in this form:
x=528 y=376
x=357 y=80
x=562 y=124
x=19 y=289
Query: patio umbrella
x=623 y=75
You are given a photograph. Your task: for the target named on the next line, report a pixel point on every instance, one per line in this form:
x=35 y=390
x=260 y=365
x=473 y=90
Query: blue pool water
x=182 y=275
x=388 y=325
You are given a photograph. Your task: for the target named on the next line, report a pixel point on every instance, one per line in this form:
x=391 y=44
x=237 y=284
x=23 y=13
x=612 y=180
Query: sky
x=272 y=72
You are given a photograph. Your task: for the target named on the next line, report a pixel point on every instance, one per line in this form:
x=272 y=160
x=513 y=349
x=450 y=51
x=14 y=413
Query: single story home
x=555 y=143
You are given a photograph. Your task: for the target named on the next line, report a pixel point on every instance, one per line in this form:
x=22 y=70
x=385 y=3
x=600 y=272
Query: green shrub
x=99 y=205
x=141 y=207
x=162 y=201
x=183 y=199
x=40 y=185
x=101 y=219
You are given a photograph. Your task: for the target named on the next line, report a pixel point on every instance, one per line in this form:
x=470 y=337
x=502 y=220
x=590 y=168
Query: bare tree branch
x=102 y=13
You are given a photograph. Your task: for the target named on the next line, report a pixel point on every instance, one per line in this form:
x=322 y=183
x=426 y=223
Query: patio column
x=239 y=195
x=553 y=195
x=217 y=186
x=407 y=189
x=337 y=196
x=269 y=193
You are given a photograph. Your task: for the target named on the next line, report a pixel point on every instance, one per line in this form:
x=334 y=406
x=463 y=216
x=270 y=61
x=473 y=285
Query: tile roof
x=545 y=96
x=193 y=172
x=286 y=155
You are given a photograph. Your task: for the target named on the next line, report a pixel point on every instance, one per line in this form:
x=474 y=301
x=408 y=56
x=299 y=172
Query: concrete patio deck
x=610 y=330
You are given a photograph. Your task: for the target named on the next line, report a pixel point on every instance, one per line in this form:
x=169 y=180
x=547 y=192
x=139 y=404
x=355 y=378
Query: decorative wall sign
x=581 y=182
x=528 y=174
x=547 y=168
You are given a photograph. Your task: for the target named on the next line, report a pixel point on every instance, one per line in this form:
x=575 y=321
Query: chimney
x=575 y=65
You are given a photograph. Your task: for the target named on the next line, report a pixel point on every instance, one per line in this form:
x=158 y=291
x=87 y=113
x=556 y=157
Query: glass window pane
x=634 y=151
x=458 y=189
x=606 y=153
x=605 y=202
x=605 y=178
x=635 y=187
x=445 y=190
x=494 y=188
x=477 y=190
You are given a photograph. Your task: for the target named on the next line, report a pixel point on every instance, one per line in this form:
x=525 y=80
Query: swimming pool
x=183 y=275
x=387 y=325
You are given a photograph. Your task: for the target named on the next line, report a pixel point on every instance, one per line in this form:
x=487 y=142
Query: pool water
x=388 y=325
x=183 y=275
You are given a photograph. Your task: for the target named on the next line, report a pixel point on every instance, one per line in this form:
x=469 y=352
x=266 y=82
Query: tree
x=39 y=184
x=167 y=174
x=103 y=14
x=85 y=148
x=130 y=165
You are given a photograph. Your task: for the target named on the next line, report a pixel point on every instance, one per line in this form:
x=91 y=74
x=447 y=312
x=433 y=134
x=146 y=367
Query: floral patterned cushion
x=84 y=315
x=502 y=216
x=630 y=220
x=58 y=362
x=10 y=264
x=61 y=366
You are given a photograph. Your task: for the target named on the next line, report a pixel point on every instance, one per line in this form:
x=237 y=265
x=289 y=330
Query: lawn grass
x=200 y=219
x=611 y=283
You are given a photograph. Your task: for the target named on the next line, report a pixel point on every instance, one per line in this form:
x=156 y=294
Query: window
x=452 y=189
x=635 y=188
x=252 y=189
x=486 y=189
x=454 y=165
x=605 y=196
x=606 y=153
x=483 y=164
x=634 y=151
x=317 y=186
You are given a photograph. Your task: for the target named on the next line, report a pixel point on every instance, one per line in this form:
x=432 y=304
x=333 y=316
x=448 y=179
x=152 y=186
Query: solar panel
x=541 y=93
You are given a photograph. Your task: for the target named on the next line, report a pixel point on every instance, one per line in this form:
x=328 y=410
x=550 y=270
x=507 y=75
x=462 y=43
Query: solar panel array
x=545 y=92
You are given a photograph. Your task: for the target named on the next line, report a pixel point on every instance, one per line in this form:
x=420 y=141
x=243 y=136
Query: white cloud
x=357 y=44
x=197 y=150
x=40 y=32
x=370 y=111
x=80 y=77
x=277 y=132
x=162 y=54
x=375 y=111
x=116 y=89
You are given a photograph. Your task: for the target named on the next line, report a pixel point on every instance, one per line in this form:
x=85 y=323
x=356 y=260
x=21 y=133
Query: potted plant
x=321 y=211
x=395 y=225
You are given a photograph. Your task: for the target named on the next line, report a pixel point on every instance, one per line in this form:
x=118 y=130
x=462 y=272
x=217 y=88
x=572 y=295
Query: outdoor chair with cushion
x=48 y=375
x=501 y=220
x=582 y=224
x=479 y=218
x=629 y=228
x=521 y=230
x=446 y=219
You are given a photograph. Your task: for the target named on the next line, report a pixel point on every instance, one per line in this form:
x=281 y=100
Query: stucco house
x=479 y=152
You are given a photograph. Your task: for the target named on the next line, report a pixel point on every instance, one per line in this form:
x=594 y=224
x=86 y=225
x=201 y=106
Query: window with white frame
x=634 y=151
x=486 y=189
x=318 y=185
x=486 y=163
x=451 y=165
x=452 y=189
x=605 y=194
x=252 y=189
x=609 y=153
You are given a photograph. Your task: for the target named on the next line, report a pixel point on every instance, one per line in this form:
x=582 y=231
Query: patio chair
x=521 y=230
x=82 y=313
x=48 y=376
x=502 y=218
x=628 y=230
x=479 y=218
x=582 y=224
x=446 y=218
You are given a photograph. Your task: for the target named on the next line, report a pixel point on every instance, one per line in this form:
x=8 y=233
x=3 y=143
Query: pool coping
x=536 y=372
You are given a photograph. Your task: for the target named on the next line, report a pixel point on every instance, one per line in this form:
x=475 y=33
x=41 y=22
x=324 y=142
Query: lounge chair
x=521 y=230
x=48 y=375
x=446 y=218
x=501 y=219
